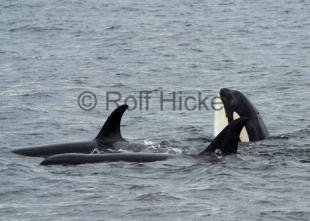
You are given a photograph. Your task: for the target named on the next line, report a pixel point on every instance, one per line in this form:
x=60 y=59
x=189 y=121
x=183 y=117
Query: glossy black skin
x=227 y=140
x=235 y=101
x=45 y=151
x=225 y=143
x=73 y=159
x=109 y=137
x=78 y=147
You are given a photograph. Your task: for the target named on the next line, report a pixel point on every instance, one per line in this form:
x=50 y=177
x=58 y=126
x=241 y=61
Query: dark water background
x=51 y=51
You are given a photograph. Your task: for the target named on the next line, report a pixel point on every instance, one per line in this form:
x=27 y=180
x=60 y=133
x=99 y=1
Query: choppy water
x=52 y=51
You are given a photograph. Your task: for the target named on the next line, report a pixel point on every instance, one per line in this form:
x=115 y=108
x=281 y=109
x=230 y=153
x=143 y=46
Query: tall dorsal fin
x=227 y=140
x=111 y=128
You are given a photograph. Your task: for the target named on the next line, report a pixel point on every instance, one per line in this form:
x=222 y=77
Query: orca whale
x=237 y=105
x=226 y=142
x=108 y=137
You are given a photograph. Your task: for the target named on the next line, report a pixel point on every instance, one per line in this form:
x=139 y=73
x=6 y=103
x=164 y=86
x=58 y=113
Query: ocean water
x=52 y=51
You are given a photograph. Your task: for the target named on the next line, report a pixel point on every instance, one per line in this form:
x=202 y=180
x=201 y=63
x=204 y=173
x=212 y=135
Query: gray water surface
x=51 y=51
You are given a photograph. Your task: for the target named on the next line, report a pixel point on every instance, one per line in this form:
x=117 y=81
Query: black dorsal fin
x=227 y=140
x=111 y=128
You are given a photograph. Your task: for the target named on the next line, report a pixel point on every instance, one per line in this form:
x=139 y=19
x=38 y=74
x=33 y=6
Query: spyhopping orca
x=108 y=137
x=225 y=143
x=237 y=105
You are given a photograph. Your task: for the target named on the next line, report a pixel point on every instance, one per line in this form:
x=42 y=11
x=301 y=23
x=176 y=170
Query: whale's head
x=235 y=102
x=236 y=105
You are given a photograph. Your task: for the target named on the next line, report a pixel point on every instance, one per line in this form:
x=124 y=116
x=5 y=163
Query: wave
x=35 y=29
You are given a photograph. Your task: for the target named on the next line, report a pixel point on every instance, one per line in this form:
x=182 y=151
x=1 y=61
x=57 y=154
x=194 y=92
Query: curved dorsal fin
x=227 y=140
x=111 y=128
